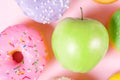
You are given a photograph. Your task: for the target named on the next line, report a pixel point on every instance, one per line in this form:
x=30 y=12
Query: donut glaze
x=28 y=48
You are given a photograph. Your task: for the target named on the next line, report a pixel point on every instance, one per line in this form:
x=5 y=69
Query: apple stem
x=81 y=13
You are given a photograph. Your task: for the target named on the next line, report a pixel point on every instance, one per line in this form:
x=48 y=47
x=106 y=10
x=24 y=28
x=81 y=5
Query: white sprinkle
x=60 y=15
x=49 y=7
x=45 y=3
x=44 y=22
x=66 y=6
x=61 y=1
x=45 y=10
x=21 y=2
x=41 y=3
x=36 y=7
x=51 y=11
x=34 y=0
x=54 y=3
x=48 y=1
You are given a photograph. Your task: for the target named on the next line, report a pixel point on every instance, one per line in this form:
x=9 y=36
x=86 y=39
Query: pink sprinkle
x=23 y=41
x=43 y=64
x=29 y=38
x=30 y=46
x=26 y=77
x=12 y=44
x=12 y=78
x=40 y=71
x=23 y=69
x=34 y=63
x=4 y=34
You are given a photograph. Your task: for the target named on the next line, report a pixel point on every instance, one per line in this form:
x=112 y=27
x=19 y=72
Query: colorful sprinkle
x=21 y=40
x=28 y=70
x=41 y=58
x=36 y=50
x=35 y=65
x=24 y=33
x=11 y=44
x=21 y=73
x=23 y=62
x=26 y=77
x=23 y=69
x=35 y=45
x=30 y=46
x=35 y=62
x=24 y=46
x=30 y=38
x=7 y=73
x=17 y=67
x=4 y=33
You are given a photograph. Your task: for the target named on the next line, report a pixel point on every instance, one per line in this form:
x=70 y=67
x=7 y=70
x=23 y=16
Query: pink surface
x=11 y=14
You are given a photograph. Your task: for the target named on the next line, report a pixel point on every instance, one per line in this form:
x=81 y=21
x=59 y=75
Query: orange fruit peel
x=115 y=76
x=105 y=1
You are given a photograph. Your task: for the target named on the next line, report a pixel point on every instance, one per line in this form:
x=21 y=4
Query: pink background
x=11 y=14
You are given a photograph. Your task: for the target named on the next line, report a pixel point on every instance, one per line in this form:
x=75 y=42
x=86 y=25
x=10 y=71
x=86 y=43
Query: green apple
x=114 y=29
x=79 y=44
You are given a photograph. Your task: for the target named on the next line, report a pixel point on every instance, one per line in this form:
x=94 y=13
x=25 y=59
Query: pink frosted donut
x=22 y=54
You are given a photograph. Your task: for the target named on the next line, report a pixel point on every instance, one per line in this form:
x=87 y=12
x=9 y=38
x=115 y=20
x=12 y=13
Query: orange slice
x=105 y=1
x=115 y=76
